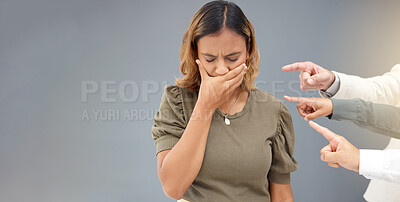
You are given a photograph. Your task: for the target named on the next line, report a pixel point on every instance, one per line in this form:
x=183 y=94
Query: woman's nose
x=222 y=68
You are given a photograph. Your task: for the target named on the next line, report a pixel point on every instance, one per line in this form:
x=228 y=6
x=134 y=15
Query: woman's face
x=222 y=52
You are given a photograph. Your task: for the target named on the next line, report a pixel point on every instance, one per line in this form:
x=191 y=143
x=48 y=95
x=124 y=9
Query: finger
x=298 y=66
x=316 y=78
x=302 y=108
x=305 y=76
x=236 y=81
x=309 y=79
x=321 y=107
x=320 y=78
x=314 y=115
x=236 y=85
x=325 y=149
x=329 y=135
x=333 y=165
x=235 y=72
x=203 y=72
x=293 y=99
x=331 y=157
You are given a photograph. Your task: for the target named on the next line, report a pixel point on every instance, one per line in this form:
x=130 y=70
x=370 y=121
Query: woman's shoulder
x=180 y=99
x=266 y=100
x=265 y=97
x=177 y=92
x=171 y=90
x=172 y=97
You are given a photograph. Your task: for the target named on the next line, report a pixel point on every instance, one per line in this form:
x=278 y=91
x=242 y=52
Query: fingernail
x=310 y=81
x=245 y=66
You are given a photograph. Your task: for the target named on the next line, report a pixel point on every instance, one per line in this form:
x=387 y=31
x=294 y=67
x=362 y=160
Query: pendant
x=227 y=122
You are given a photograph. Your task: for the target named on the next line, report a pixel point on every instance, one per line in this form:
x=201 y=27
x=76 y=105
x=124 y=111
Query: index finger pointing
x=298 y=66
x=329 y=135
x=292 y=99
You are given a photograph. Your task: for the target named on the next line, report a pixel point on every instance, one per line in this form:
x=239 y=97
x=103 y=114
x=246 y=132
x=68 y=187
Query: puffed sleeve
x=283 y=162
x=169 y=121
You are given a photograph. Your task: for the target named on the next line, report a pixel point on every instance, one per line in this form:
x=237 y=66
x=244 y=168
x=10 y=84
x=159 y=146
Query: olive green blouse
x=241 y=158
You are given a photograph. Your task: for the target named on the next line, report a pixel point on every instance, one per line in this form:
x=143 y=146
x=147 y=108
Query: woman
x=218 y=137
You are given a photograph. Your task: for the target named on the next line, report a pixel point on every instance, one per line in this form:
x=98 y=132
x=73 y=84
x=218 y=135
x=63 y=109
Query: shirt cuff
x=333 y=89
x=371 y=163
x=165 y=142
x=279 y=178
x=344 y=109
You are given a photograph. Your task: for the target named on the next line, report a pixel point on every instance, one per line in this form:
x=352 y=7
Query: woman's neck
x=229 y=105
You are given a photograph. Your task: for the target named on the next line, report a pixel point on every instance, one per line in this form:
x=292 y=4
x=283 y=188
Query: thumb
x=319 y=78
x=334 y=165
x=203 y=72
x=313 y=115
x=331 y=157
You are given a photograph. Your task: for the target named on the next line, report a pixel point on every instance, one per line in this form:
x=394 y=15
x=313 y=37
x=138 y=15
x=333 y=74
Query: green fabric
x=379 y=118
x=240 y=158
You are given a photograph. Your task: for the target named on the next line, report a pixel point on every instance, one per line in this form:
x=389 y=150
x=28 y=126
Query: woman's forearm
x=280 y=192
x=183 y=162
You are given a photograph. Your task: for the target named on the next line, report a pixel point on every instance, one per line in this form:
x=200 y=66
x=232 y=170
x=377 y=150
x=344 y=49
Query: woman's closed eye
x=230 y=59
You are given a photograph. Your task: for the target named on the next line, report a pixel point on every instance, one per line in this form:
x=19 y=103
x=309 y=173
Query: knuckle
x=227 y=84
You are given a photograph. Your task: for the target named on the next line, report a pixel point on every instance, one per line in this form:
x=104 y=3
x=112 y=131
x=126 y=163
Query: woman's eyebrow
x=231 y=54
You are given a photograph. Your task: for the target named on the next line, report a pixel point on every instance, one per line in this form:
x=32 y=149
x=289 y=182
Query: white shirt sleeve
x=380 y=164
x=384 y=89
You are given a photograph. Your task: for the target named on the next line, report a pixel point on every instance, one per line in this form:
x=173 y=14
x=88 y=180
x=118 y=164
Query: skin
x=312 y=108
x=219 y=54
x=339 y=151
x=221 y=64
x=312 y=76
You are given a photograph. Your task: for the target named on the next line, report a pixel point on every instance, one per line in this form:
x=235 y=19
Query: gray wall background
x=48 y=152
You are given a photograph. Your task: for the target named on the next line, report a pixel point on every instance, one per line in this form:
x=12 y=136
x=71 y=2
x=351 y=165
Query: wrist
x=205 y=105
x=357 y=167
x=330 y=106
x=331 y=80
x=203 y=109
x=206 y=102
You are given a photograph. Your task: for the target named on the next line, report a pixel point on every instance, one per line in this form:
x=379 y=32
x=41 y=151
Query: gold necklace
x=227 y=121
